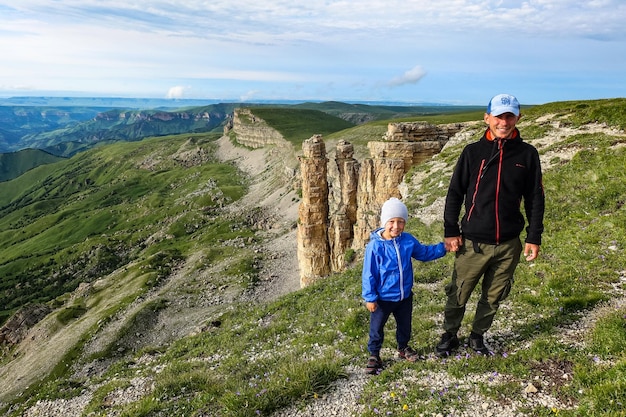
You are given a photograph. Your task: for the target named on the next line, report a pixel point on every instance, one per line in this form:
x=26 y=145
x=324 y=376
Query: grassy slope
x=297 y=125
x=15 y=164
x=78 y=219
x=291 y=350
x=122 y=218
x=375 y=112
x=300 y=122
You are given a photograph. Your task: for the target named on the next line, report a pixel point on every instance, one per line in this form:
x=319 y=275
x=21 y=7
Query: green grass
x=76 y=220
x=70 y=313
x=577 y=113
x=297 y=125
x=263 y=357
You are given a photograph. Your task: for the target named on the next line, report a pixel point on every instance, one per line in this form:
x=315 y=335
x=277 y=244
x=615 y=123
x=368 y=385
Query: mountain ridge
x=45 y=126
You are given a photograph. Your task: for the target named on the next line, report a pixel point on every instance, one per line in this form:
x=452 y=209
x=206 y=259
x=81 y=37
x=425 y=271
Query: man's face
x=503 y=125
x=394 y=228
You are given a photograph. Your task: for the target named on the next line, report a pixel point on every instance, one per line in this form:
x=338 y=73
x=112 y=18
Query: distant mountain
x=64 y=126
x=175 y=103
x=108 y=102
x=76 y=124
x=50 y=128
x=19 y=121
x=131 y=125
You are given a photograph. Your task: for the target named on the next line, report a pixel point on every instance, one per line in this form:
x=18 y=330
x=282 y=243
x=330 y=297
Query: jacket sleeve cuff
x=533 y=240
x=451 y=231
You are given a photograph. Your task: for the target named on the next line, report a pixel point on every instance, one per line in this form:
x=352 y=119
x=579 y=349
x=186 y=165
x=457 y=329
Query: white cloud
x=271 y=21
x=238 y=48
x=411 y=76
x=177 y=91
x=249 y=95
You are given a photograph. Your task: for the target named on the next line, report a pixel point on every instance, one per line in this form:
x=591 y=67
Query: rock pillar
x=313 y=246
x=340 y=232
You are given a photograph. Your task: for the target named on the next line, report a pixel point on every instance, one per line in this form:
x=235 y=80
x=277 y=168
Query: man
x=491 y=178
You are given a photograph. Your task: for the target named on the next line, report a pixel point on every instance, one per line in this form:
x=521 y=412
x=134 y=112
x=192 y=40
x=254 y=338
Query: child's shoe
x=408 y=354
x=374 y=365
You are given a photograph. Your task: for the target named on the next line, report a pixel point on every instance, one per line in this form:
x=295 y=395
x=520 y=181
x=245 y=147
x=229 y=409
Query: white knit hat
x=393 y=208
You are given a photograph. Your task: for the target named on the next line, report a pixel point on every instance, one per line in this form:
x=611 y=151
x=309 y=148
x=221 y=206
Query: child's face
x=394 y=228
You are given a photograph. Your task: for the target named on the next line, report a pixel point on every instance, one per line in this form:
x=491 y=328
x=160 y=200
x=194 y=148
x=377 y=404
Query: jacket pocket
x=463 y=293
x=460 y=291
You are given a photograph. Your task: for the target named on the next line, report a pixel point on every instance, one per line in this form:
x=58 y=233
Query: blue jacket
x=387 y=267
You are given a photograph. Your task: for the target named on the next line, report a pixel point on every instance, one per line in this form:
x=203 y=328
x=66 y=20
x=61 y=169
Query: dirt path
x=280 y=274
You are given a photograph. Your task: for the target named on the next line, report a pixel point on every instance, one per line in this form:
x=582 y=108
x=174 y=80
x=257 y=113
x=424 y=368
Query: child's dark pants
x=402 y=311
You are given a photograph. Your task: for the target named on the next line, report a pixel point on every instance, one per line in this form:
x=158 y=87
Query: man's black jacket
x=492 y=177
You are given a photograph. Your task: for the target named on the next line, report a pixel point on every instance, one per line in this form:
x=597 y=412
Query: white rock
x=531 y=389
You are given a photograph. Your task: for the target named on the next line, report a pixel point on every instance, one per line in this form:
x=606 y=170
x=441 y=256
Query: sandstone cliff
x=252 y=131
x=341 y=197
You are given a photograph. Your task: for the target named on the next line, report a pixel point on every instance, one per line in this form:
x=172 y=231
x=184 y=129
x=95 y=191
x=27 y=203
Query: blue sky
x=444 y=51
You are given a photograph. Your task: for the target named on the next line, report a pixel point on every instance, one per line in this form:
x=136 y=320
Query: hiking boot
x=477 y=343
x=374 y=365
x=408 y=354
x=448 y=343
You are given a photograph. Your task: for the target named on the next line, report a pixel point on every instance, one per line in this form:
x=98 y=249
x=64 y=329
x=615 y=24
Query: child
x=387 y=280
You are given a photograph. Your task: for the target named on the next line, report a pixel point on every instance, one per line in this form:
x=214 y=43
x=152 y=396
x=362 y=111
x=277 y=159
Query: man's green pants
x=496 y=265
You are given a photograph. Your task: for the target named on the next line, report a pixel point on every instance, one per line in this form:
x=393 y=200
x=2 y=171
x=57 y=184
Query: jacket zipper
x=501 y=148
x=481 y=173
x=480 y=176
x=395 y=245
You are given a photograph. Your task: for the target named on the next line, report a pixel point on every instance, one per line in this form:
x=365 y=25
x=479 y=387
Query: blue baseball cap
x=503 y=103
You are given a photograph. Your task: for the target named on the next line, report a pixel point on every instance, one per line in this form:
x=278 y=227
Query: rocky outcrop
x=344 y=203
x=420 y=132
x=15 y=329
x=312 y=234
x=404 y=145
x=412 y=142
x=252 y=131
x=378 y=180
x=339 y=210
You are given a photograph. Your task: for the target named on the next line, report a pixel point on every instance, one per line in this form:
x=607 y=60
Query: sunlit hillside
x=122 y=238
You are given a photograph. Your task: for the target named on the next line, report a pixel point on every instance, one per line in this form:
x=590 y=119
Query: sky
x=407 y=51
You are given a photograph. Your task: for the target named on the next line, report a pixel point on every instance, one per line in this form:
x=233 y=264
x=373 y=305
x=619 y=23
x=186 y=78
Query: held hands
x=453 y=244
